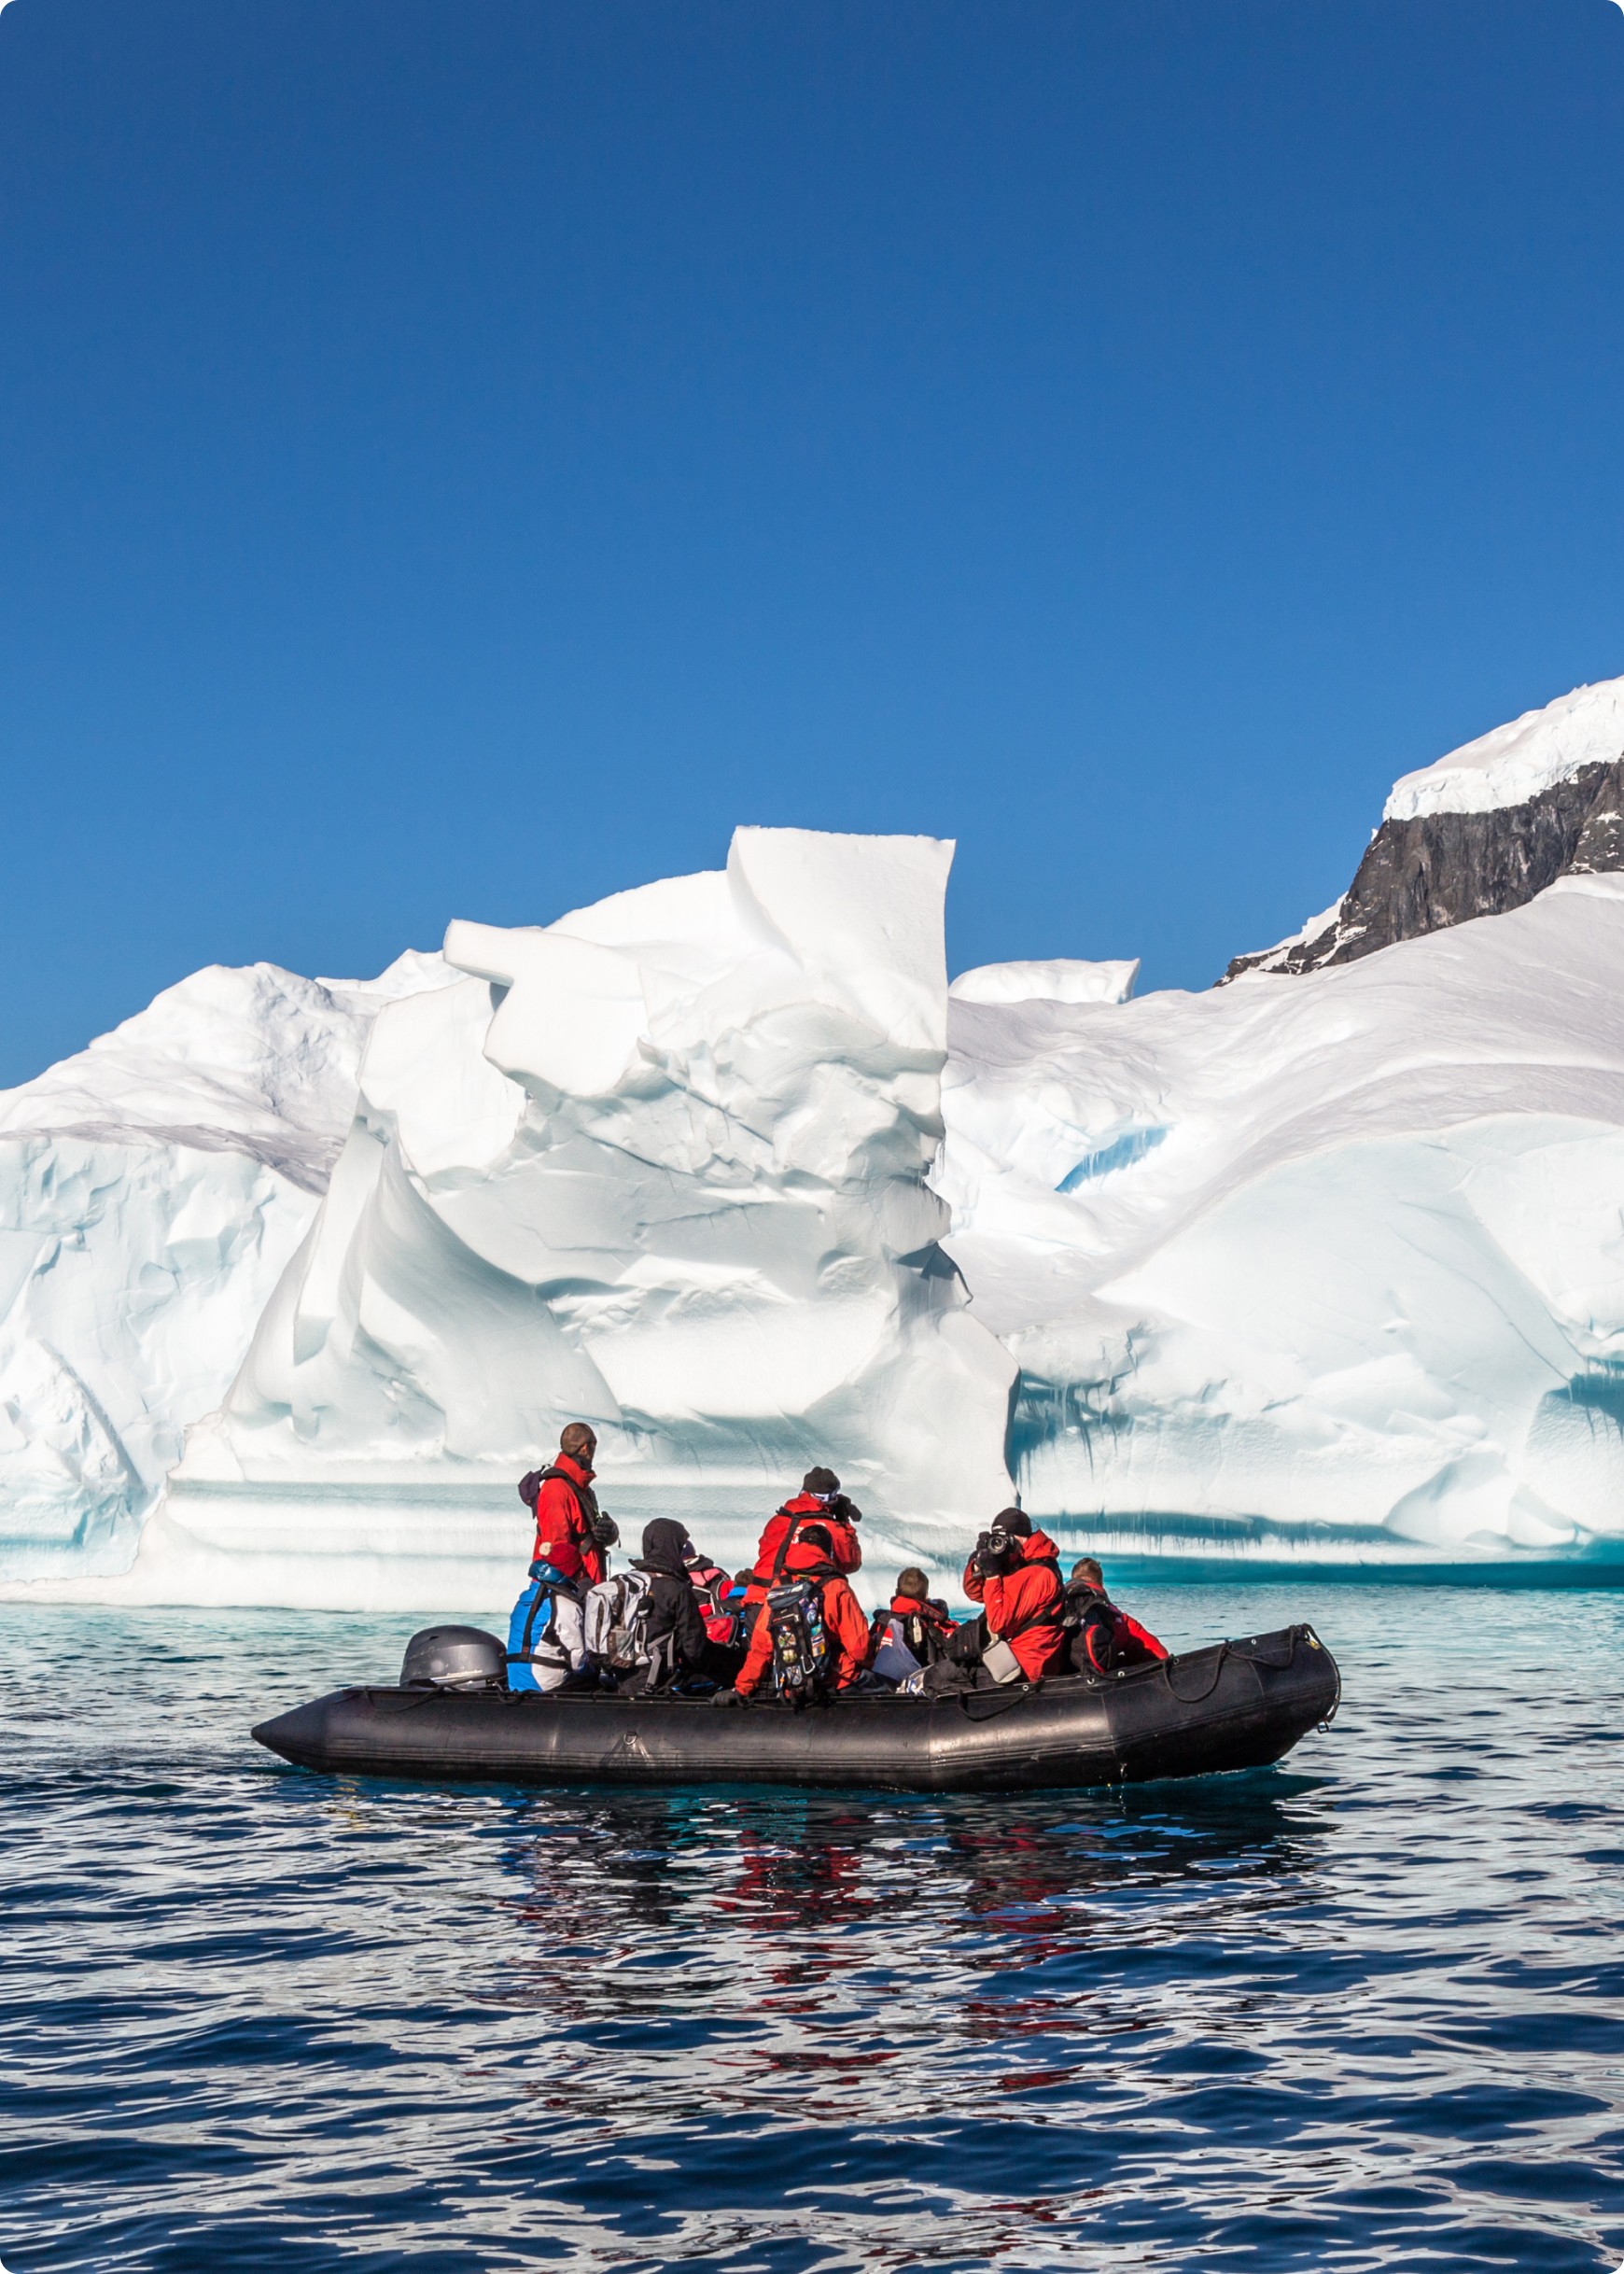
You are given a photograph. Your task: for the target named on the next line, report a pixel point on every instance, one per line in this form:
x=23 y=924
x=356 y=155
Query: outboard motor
x=455 y=1658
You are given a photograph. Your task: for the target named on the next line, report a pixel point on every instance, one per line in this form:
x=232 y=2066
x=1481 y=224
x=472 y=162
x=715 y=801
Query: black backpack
x=800 y=1655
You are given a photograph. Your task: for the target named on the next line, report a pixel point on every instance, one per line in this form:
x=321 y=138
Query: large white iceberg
x=1325 y=1265
x=661 y=1165
x=296 y=1277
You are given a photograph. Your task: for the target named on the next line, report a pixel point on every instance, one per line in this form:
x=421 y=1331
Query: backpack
x=799 y=1641
x=535 y=1639
x=617 y=1619
x=902 y=1643
x=710 y=1583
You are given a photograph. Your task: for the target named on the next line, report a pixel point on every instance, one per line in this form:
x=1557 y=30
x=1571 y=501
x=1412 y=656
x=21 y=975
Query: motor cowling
x=455 y=1658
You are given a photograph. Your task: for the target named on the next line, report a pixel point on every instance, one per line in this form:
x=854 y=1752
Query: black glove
x=605 y=1530
x=840 y=1506
x=995 y=1552
x=727 y=1697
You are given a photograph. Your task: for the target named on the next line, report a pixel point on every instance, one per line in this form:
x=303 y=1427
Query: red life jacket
x=843 y=1618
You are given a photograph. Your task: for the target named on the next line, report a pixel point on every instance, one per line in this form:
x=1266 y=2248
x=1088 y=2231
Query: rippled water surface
x=1366 y=2011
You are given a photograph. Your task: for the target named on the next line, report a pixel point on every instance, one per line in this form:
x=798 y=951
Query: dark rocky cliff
x=1443 y=868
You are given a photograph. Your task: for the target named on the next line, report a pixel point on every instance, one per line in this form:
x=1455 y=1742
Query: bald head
x=578 y=1441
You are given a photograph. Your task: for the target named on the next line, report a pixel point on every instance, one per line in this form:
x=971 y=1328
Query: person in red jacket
x=1014 y=1576
x=820 y=1501
x=1012 y=1573
x=1104 y=1640
x=912 y=1633
x=572 y=1531
x=811 y=1556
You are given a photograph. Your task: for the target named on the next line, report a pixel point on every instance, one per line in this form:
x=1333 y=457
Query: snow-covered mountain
x=1481 y=832
x=1325 y=1263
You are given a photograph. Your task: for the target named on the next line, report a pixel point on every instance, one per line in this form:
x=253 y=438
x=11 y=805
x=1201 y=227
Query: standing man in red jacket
x=572 y=1531
x=811 y=1556
x=547 y=1630
x=820 y=1501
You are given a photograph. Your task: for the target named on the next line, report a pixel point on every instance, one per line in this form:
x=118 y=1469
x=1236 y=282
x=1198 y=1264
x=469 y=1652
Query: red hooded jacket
x=843 y=1616
x=1029 y=1598
x=794 y=1516
x=1110 y=1638
x=562 y=1534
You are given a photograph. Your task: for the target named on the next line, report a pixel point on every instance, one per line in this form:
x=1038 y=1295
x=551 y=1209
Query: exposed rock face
x=1458 y=839
x=1443 y=868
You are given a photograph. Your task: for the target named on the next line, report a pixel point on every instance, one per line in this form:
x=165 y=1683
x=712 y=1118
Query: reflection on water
x=1363 y=2012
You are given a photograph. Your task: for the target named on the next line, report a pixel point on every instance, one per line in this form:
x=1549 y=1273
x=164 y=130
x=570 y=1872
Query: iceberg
x=1323 y=1266
x=660 y=1166
x=1064 y=979
x=152 y=1191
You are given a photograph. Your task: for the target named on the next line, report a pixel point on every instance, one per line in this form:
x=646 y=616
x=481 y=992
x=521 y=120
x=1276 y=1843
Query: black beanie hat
x=1015 y=1522
x=820 y=1480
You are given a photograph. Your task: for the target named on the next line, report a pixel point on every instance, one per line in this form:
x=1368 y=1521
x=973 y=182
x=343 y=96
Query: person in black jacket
x=674 y=1634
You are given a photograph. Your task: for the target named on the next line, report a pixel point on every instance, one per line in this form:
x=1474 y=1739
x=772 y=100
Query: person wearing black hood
x=673 y=1611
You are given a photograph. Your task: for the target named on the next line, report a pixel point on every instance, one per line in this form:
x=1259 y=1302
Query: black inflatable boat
x=1236 y=1705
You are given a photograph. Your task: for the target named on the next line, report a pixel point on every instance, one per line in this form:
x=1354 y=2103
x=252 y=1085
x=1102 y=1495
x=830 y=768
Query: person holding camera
x=1014 y=1575
x=820 y=1502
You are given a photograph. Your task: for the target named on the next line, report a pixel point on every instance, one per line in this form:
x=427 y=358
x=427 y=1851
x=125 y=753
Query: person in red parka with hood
x=1013 y=1574
x=811 y=1556
x=1018 y=1587
x=820 y=1501
x=1104 y=1638
x=572 y=1531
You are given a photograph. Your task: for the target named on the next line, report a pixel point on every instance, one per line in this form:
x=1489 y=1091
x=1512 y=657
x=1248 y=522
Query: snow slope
x=153 y=1190
x=1329 y=1264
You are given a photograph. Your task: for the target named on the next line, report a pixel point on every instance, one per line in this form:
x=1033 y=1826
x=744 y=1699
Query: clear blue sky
x=461 y=458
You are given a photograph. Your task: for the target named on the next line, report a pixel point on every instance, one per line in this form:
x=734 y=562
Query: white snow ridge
x=296 y=1277
x=1517 y=762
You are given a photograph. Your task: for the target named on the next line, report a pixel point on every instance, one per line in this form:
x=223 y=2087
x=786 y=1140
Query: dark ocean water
x=1363 y=2012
